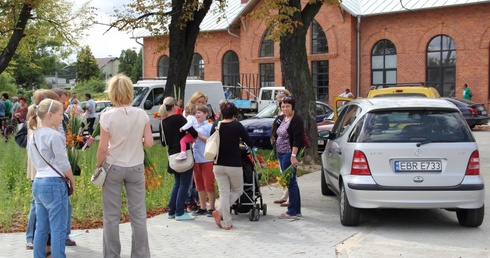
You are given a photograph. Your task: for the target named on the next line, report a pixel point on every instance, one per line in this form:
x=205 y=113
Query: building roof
x=215 y=21
x=101 y=62
x=380 y=7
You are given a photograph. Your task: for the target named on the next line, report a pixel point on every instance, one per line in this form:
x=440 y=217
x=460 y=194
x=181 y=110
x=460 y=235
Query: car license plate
x=484 y=112
x=321 y=142
x=416 y=166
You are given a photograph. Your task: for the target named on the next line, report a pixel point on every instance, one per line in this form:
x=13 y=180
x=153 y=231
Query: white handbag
x=98 y=177
x=212 y=145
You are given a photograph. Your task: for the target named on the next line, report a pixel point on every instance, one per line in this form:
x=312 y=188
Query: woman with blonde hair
x=124 y=132
x=47 y=153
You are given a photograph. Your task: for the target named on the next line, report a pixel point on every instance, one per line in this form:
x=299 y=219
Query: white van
x=149 y=95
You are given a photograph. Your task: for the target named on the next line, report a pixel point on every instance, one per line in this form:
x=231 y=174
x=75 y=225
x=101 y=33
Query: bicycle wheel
x=9 y=130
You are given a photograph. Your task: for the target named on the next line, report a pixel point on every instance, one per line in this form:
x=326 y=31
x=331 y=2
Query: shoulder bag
x=21 y=136
x=212 y=145
x=67 y=181
x=179 y=166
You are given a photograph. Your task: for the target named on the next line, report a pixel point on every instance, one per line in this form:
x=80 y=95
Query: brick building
x=442 y=43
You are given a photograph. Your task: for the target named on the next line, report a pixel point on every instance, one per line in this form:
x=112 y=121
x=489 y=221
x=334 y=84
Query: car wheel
x=240 y=116
x=325 y=190
x=349 y=216
x=471 y=217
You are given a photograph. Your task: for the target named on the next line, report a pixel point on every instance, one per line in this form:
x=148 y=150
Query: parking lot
x=381 y=233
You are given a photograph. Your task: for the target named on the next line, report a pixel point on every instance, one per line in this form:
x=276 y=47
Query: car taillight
x=473 y=111
x=359 y=164
x=473 y=164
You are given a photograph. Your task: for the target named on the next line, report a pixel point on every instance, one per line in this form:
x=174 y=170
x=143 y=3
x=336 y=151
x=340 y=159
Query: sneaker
x=209 y=213
x=171 y=216
x=199 y=212
x=184 y=216
x=181 y=156
x=299 y=215
x=69 y=242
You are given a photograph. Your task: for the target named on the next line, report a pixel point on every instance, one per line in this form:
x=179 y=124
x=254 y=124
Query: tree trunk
x=17 y=35
x=183 y=35
x=296 y=73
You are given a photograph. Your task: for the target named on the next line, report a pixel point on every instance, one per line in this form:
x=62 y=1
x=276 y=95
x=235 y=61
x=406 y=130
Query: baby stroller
x=251 y=199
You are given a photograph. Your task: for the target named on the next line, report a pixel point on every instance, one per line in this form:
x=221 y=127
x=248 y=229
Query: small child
x=190 y=115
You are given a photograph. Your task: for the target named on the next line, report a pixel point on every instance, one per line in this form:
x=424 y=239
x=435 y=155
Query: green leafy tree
x=127 y=60
x=178 y=21
x=26 y=25
x=86 y=65
x=289 y=22
x=137 y=71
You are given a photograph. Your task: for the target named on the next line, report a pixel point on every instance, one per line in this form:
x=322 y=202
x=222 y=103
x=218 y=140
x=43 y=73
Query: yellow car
x=404 y=91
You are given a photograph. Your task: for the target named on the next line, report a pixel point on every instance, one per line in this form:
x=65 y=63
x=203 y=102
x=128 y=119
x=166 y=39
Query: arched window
x=441 y=65
x=383 y=63
x=163 y=66
x=197 y=67
x=267 y=45
x=319 y=43
x=231 y=69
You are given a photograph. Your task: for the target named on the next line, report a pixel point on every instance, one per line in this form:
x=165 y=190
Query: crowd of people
x=120 y=152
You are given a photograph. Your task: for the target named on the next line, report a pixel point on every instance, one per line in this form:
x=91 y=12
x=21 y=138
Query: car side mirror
x=148 y=105
x=326 y=135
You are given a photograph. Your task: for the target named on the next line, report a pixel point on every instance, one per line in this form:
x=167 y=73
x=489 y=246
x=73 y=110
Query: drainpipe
x=231 y=33
x=358 y=57
x=142 y=57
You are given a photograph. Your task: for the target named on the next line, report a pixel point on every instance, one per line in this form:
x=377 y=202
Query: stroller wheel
x=264 y=209
x=251 y=214
x=257 y=212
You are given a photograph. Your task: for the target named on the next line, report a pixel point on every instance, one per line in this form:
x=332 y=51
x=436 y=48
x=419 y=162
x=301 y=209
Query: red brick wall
x=468 y=26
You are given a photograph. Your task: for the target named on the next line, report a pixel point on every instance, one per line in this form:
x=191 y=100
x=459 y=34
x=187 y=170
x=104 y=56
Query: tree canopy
x=26 y=26
x=86 y=65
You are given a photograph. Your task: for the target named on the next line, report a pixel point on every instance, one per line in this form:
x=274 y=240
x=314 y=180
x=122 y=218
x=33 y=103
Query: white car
x=407 y=153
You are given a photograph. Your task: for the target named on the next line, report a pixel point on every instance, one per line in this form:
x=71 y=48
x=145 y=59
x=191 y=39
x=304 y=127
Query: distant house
x=108 y=66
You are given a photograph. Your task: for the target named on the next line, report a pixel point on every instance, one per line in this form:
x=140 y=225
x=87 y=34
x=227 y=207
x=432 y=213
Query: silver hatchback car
x=408 y=153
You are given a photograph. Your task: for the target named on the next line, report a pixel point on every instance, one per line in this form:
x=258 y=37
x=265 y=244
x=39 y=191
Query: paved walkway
x=317 y=234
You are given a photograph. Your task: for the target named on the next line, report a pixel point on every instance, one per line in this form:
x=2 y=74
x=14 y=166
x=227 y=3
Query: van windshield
x=139 y=94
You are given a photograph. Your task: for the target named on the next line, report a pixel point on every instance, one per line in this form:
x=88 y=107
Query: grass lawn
x=15 y=187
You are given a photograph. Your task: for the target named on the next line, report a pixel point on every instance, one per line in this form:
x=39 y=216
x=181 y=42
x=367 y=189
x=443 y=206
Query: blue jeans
x=294 y=207
x=31 y=222
x=178 y=195
x=51 y=197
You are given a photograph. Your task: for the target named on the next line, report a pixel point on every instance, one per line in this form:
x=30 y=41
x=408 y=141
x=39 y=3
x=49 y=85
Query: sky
x=108 y=44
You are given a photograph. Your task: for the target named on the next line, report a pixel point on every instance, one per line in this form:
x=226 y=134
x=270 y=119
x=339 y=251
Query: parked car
x=326 y=125
x=474 y=113
x=407 y=153
x=259 y=127
x=100 y=105
x=404 y=90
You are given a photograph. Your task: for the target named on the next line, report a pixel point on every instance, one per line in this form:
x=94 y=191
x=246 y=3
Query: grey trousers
x=133 y=179
x=230 y=185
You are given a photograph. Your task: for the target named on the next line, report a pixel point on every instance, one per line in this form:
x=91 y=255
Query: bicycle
x=8 y=127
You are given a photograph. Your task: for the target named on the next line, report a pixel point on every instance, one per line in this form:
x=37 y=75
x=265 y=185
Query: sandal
x=69 y=242
x=29 y=246
x=287 y=216
x=217 y=218
x=279 y=201
x=285 y=204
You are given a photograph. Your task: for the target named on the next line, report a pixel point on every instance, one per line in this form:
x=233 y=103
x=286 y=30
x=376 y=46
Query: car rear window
x=413 y=126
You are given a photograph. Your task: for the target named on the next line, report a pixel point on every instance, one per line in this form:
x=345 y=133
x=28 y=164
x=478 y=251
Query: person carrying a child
x=190 y=115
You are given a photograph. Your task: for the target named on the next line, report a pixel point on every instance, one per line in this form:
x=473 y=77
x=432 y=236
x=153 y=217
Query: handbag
x=21 y=136
x=67 y=181
x=99 y=175
x=181 y=165
x=212 y=145
x=178 y=166
x=307 y=141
